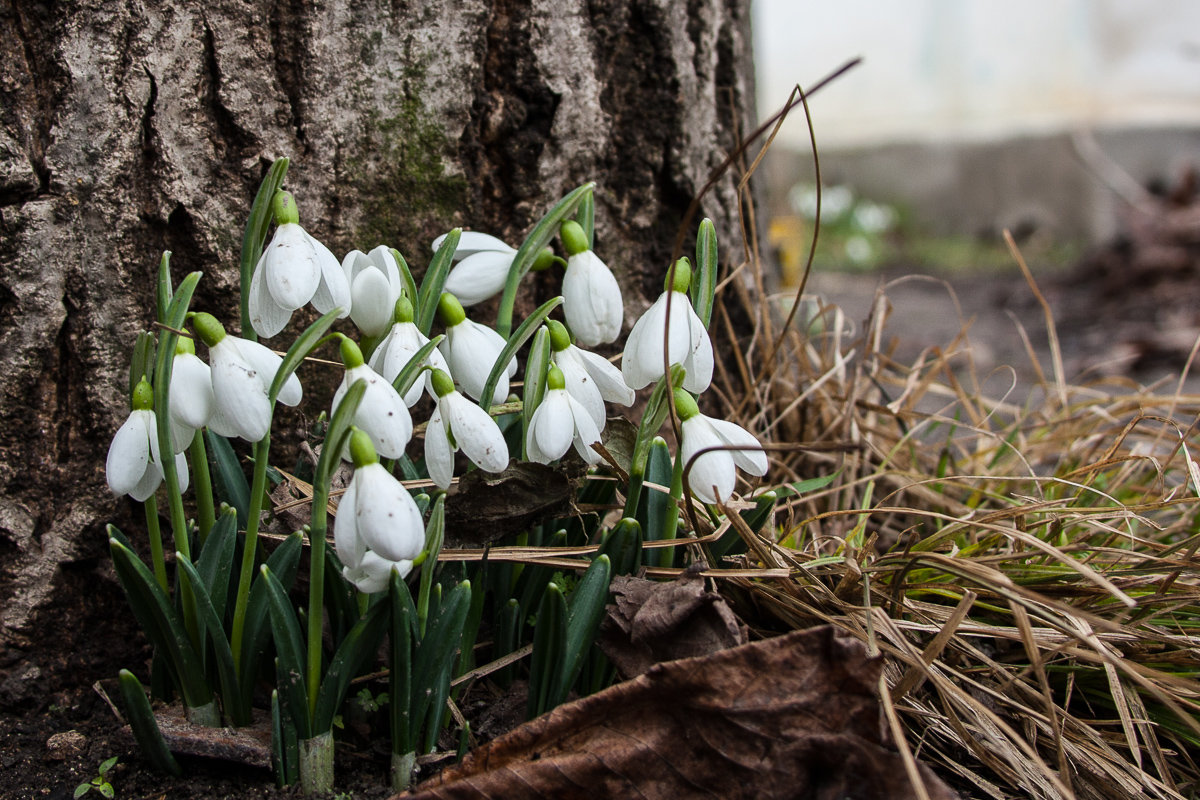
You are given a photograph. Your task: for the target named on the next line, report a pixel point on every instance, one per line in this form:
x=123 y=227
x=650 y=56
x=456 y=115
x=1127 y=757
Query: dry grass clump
x=1024 y=562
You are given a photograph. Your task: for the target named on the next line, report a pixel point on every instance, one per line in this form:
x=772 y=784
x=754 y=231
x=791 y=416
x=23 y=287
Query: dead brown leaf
x=650 y=621
x=796 y=716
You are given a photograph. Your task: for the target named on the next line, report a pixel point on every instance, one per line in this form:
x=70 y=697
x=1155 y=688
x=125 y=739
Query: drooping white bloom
x=378 y=526
x=373 y=572
x=375 y=286
x=483 y=264
x=471 y=350
x=558 y=422
x=242 y=372
x=398 y=347
x=191 y=393
x=457 y=423
x=590 y=379
x=381 y=414
x=294 y=269
x=591 y=295
x=134 y=464
x=713 y=474
x=686 y=339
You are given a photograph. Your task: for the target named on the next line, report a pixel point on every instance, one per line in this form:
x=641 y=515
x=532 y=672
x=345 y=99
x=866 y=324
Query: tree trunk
x=133 y=128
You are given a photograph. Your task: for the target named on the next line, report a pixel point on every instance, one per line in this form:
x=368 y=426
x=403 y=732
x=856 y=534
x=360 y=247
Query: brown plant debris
x=793 y=716
x=650 y=622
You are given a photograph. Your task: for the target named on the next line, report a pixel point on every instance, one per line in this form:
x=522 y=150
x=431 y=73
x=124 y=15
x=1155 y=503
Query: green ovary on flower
x=362 y=452
x=574 y=240
x=682 y=278
x=283 y=208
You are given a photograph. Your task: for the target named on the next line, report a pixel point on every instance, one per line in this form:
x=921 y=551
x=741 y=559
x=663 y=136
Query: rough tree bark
x=132 y=128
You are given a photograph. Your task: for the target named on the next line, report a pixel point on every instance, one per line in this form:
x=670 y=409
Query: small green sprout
x=100 y=782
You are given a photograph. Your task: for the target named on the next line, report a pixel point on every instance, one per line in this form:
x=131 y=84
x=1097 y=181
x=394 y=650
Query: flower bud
x=545 y=260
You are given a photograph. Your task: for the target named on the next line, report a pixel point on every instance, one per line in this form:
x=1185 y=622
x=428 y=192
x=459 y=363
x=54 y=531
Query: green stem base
x=316 y=764
x=207 y=715
x=402 y=770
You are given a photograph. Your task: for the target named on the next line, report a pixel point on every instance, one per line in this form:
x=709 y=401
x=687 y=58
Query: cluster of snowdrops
x=380 y=530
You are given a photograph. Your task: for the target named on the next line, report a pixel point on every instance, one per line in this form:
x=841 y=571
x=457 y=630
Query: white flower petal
x=238 y=391
x=375 y=572
x=181 y=471
x=592 y=299
x=639 y=366
x=699 y=362
x=606 y=376
x=752 y=461
x=471 y=349
x=191 y=391
x=476 y=433
x=267 y=317
x=290 y=266
x=712 y=475
x=439 y=457
x=579 y=383
x=381 y=413
x=346 y=541
x=479 y=276
x=552 y=429
x=385 y=261
x=389 y=522
x=129 y=455
x=372 y=302
x=265 y=363
x=397 y=349
x=333 y=291
x=471 y=242
x=586 y=432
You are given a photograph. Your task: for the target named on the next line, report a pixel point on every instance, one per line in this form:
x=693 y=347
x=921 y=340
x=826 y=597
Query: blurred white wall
x=979 y=69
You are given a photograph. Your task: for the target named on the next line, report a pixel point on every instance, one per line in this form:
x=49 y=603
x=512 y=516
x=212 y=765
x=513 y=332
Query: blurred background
x=1073 y=124
x=971 y=117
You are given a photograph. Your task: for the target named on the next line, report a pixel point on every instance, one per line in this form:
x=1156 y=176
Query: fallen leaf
x=651 y=621
x=483 y=507
x=795 y=716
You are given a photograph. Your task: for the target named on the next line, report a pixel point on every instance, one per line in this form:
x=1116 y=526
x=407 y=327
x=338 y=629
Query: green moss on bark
x=400 y=174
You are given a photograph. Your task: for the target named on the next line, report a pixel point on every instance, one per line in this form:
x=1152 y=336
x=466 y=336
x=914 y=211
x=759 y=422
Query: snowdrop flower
x=374 y=288
x=134 y=465
x=590 y=379
x=483 y=265
x=471 y=350
x=688 y=343
x=459 y=423
x=398 y=347
x=591 y=296
x=242 y=372
x=191 y=393
x=713 y=474
x=378 y=527
x=381 y=414
x=294 y=269
x=559 y=421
